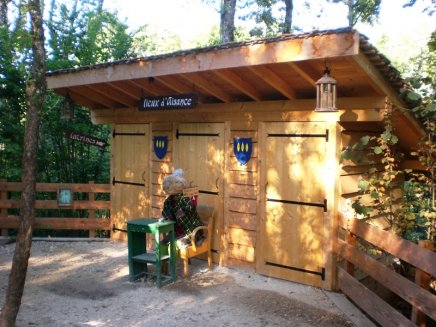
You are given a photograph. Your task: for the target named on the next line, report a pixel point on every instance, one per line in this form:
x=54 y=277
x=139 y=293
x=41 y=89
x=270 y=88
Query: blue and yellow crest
x=160 y=146
x=242 y=148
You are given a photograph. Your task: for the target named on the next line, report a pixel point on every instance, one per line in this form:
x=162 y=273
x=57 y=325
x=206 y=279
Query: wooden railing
x=416 y=293
x=96 y=215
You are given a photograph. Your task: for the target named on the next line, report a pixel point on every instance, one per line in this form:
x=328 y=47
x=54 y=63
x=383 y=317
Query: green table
x=139 y=258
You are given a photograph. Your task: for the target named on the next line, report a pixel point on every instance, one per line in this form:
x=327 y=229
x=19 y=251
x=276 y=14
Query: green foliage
x=148 y=41
x=383 y=177
x=106 y=39
x=266 y=14
x=412 y=216
x=79 y=34
x=423 y=95
x=365 y=11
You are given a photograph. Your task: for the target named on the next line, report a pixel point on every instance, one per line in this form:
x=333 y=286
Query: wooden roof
x=280 y=68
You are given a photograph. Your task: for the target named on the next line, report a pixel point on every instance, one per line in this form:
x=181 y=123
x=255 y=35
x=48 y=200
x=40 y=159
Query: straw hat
x=175 y=183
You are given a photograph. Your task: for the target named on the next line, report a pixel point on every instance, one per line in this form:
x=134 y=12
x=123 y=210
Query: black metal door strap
x=195 y=134
x=114 y=181
x=114 y=133
x=321 y=273
x=208 y=192
x=321 y=205
x=114 y=229
x=326 y=135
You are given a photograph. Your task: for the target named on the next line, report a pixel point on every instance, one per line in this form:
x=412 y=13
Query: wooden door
x=291 y=226
x=130 y=185
x=200 y=153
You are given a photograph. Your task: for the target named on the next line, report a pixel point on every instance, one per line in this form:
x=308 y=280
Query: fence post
x=351 y=239
x=3 y=211
x=91 y=211
x=422 y=279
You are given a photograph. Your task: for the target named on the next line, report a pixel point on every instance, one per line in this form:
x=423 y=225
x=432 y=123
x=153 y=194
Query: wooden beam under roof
x=114 y=94
x=175 y=84
x=89 y=93
x=306 y=72
x=144 y=91
x=282 y=110
x=208 y=86
x=85 y=101
x=249 y=54
x=362 y=72
x=412 y=164
x=275 y=81
x=151 y=86
x=128 y=88
x=237 y=82
x=406 y=127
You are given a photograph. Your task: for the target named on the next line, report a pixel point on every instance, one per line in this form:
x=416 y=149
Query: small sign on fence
x=65 y=197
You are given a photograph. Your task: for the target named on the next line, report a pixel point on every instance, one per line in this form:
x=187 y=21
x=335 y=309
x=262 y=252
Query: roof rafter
x=208 y=86
x=275 y=81
x=114 y=94
x=151 y=86
x=175 y=84
x=304 y=70
x=237 y=82
x=86 y=91
x=85 y=101
x=128 y=88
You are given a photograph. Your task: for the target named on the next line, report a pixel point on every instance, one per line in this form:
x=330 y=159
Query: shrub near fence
x=93 y=213
x=417 y=294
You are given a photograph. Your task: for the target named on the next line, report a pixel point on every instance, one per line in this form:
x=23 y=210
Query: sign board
x=181 y=101
x=85 y=139
x=65 y=197
x=190 y=192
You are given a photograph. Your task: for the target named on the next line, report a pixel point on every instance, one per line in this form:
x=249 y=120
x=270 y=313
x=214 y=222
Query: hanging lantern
x=326 y=93
x=67 y=110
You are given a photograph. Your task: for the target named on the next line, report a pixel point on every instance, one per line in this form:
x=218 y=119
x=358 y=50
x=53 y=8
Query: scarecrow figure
x=180 y=209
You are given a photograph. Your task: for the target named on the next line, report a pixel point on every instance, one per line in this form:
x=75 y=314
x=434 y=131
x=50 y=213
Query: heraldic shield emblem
x=242 y=147
x=160 y=146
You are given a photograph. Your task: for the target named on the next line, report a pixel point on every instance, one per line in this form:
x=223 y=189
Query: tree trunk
x=35 y=91
x=350 y=4
x=227 y=23
x=4 y=13
x=287 y=26
x=100 y=6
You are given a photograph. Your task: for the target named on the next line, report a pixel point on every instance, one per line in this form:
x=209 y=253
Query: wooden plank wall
x=160 y=167
x=352 y=173
x=242 y=192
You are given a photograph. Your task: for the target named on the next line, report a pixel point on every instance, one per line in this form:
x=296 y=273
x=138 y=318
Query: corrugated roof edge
x=382 y=63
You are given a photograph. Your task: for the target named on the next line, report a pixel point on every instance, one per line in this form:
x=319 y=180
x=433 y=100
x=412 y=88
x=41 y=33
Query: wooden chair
x=206 y=215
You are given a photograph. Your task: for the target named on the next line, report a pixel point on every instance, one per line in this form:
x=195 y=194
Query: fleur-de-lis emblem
x=242 y=147
x=160 y=146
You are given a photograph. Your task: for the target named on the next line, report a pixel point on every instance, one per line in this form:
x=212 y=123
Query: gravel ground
x=86 y=284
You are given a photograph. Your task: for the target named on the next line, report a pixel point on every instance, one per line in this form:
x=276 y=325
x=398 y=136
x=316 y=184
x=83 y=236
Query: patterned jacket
x=183 y=211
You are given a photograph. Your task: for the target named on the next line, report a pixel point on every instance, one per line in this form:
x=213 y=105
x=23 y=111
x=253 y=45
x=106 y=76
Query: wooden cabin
x=277 y=204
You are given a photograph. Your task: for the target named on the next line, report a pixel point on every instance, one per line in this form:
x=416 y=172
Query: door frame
x=221 y=256
x=330 y=188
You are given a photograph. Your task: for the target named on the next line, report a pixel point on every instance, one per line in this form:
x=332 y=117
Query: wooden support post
x=91 y=211
x=422 y=279
x=351 y=239
x=3 y=211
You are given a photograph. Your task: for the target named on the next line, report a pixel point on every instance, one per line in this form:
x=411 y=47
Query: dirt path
x=86 y=284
